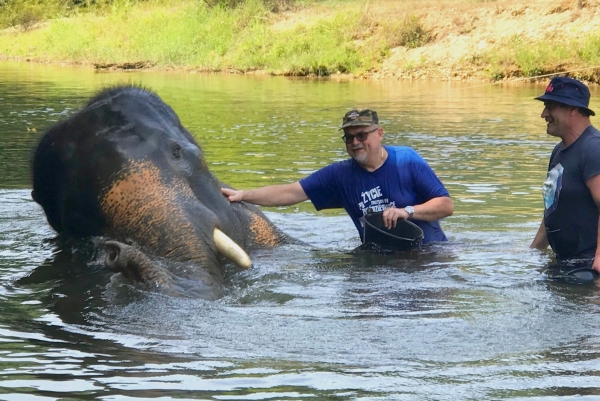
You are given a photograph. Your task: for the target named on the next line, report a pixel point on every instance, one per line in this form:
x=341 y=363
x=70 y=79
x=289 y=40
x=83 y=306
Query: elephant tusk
x=231 y=250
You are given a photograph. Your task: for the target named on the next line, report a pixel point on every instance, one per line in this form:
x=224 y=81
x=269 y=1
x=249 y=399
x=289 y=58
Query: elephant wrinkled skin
x=124 y=168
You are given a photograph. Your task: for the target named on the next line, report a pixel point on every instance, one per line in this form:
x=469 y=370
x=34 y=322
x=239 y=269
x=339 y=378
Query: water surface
x=473 y=319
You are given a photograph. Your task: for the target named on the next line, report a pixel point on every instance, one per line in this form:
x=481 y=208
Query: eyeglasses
x=361 y=136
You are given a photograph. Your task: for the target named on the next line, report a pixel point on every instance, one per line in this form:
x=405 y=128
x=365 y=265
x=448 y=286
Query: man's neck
x=377 y=162
x=575 y=132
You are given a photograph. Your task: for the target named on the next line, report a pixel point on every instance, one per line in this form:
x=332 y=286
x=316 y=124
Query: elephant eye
x=176 y=152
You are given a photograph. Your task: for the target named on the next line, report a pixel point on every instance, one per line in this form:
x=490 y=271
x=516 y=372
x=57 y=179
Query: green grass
x=195 y=35
x=206 y=35
x=520 y=58
x=215 y=35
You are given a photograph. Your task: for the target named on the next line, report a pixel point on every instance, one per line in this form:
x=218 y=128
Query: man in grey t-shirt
x=572 y=188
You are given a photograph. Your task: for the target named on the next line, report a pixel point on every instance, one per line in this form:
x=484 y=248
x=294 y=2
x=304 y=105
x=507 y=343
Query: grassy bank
x=193 y=35
x=409 y=39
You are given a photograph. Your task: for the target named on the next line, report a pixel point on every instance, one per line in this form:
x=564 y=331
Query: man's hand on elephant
x=232 y=195
x=391 y=215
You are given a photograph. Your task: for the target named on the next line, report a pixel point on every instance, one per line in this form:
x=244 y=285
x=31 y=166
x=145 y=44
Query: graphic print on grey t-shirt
x=552 y=187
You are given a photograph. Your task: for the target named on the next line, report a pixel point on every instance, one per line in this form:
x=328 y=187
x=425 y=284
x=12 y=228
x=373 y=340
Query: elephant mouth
x=135 y=265
x=159 y=275
x=138 y=267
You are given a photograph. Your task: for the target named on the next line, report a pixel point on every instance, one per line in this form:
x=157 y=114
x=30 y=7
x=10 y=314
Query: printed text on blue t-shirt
x=373 y=199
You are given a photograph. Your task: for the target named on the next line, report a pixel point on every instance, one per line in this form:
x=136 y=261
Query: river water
x=474 y=319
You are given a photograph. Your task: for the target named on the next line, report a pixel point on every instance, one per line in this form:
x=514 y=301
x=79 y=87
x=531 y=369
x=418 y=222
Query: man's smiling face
x=556 y=116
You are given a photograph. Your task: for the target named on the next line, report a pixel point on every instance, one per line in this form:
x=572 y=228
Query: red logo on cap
x=549 y=88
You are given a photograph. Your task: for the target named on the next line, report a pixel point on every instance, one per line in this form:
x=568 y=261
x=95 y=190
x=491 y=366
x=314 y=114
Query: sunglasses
x=361 y=136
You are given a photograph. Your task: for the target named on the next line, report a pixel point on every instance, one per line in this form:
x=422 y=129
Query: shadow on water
x=73 y=280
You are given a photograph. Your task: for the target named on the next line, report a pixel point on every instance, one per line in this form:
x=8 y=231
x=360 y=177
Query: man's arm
x=432 y=210
x=593 y=185
x=272 y=195
x=540 y=241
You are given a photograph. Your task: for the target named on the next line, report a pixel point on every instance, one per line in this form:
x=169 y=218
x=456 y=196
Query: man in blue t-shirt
x=572 y=188
x=394 y=180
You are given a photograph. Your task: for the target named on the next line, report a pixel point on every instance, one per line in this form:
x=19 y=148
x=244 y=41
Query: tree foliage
x=26 y=13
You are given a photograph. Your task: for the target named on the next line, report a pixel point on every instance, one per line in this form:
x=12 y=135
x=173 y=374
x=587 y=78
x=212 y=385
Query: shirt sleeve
x=427 y=183
x=321 y=187
x=591 y=161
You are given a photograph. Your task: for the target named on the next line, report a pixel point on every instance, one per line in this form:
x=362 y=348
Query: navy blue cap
x=568 y=91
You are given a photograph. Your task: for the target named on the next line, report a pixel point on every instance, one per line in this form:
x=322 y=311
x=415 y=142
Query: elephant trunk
x=135 y=265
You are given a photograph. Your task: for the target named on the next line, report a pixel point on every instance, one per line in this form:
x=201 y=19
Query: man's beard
x=360 y=158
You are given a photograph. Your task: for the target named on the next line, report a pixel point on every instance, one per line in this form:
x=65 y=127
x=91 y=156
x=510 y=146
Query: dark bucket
x=572 y=273
x=406 y=236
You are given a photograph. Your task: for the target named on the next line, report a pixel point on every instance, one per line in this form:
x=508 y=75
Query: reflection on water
x=473 y=319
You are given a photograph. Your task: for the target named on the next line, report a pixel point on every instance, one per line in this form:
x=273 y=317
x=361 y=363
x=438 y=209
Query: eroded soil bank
x=463 y=33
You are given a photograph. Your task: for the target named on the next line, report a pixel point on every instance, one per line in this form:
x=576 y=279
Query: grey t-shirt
x=570 y=215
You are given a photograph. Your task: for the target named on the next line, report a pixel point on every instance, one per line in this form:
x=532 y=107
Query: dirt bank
x=462 y=32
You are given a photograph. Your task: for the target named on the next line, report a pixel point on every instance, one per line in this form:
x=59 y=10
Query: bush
x=407 y=31
x=271 y=5
x=25 y=13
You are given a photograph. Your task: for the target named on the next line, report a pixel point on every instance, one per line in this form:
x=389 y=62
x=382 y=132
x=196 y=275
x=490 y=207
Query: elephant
x=124 y=169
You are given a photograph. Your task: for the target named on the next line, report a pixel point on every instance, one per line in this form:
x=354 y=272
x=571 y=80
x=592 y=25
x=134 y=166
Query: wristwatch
x=410 y=210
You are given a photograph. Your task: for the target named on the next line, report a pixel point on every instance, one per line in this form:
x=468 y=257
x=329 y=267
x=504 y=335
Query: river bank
x=512 y=40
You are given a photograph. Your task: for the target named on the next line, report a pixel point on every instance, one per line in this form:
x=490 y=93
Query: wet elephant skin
x=124 y=168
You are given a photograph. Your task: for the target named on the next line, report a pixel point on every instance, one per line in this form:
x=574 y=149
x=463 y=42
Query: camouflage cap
x=364 y=117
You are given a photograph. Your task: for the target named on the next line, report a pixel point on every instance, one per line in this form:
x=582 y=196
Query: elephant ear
x=262 y=232
x=47 y=177
x=65 y=159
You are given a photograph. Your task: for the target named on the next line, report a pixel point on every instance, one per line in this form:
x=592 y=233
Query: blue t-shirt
x=404 y=179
